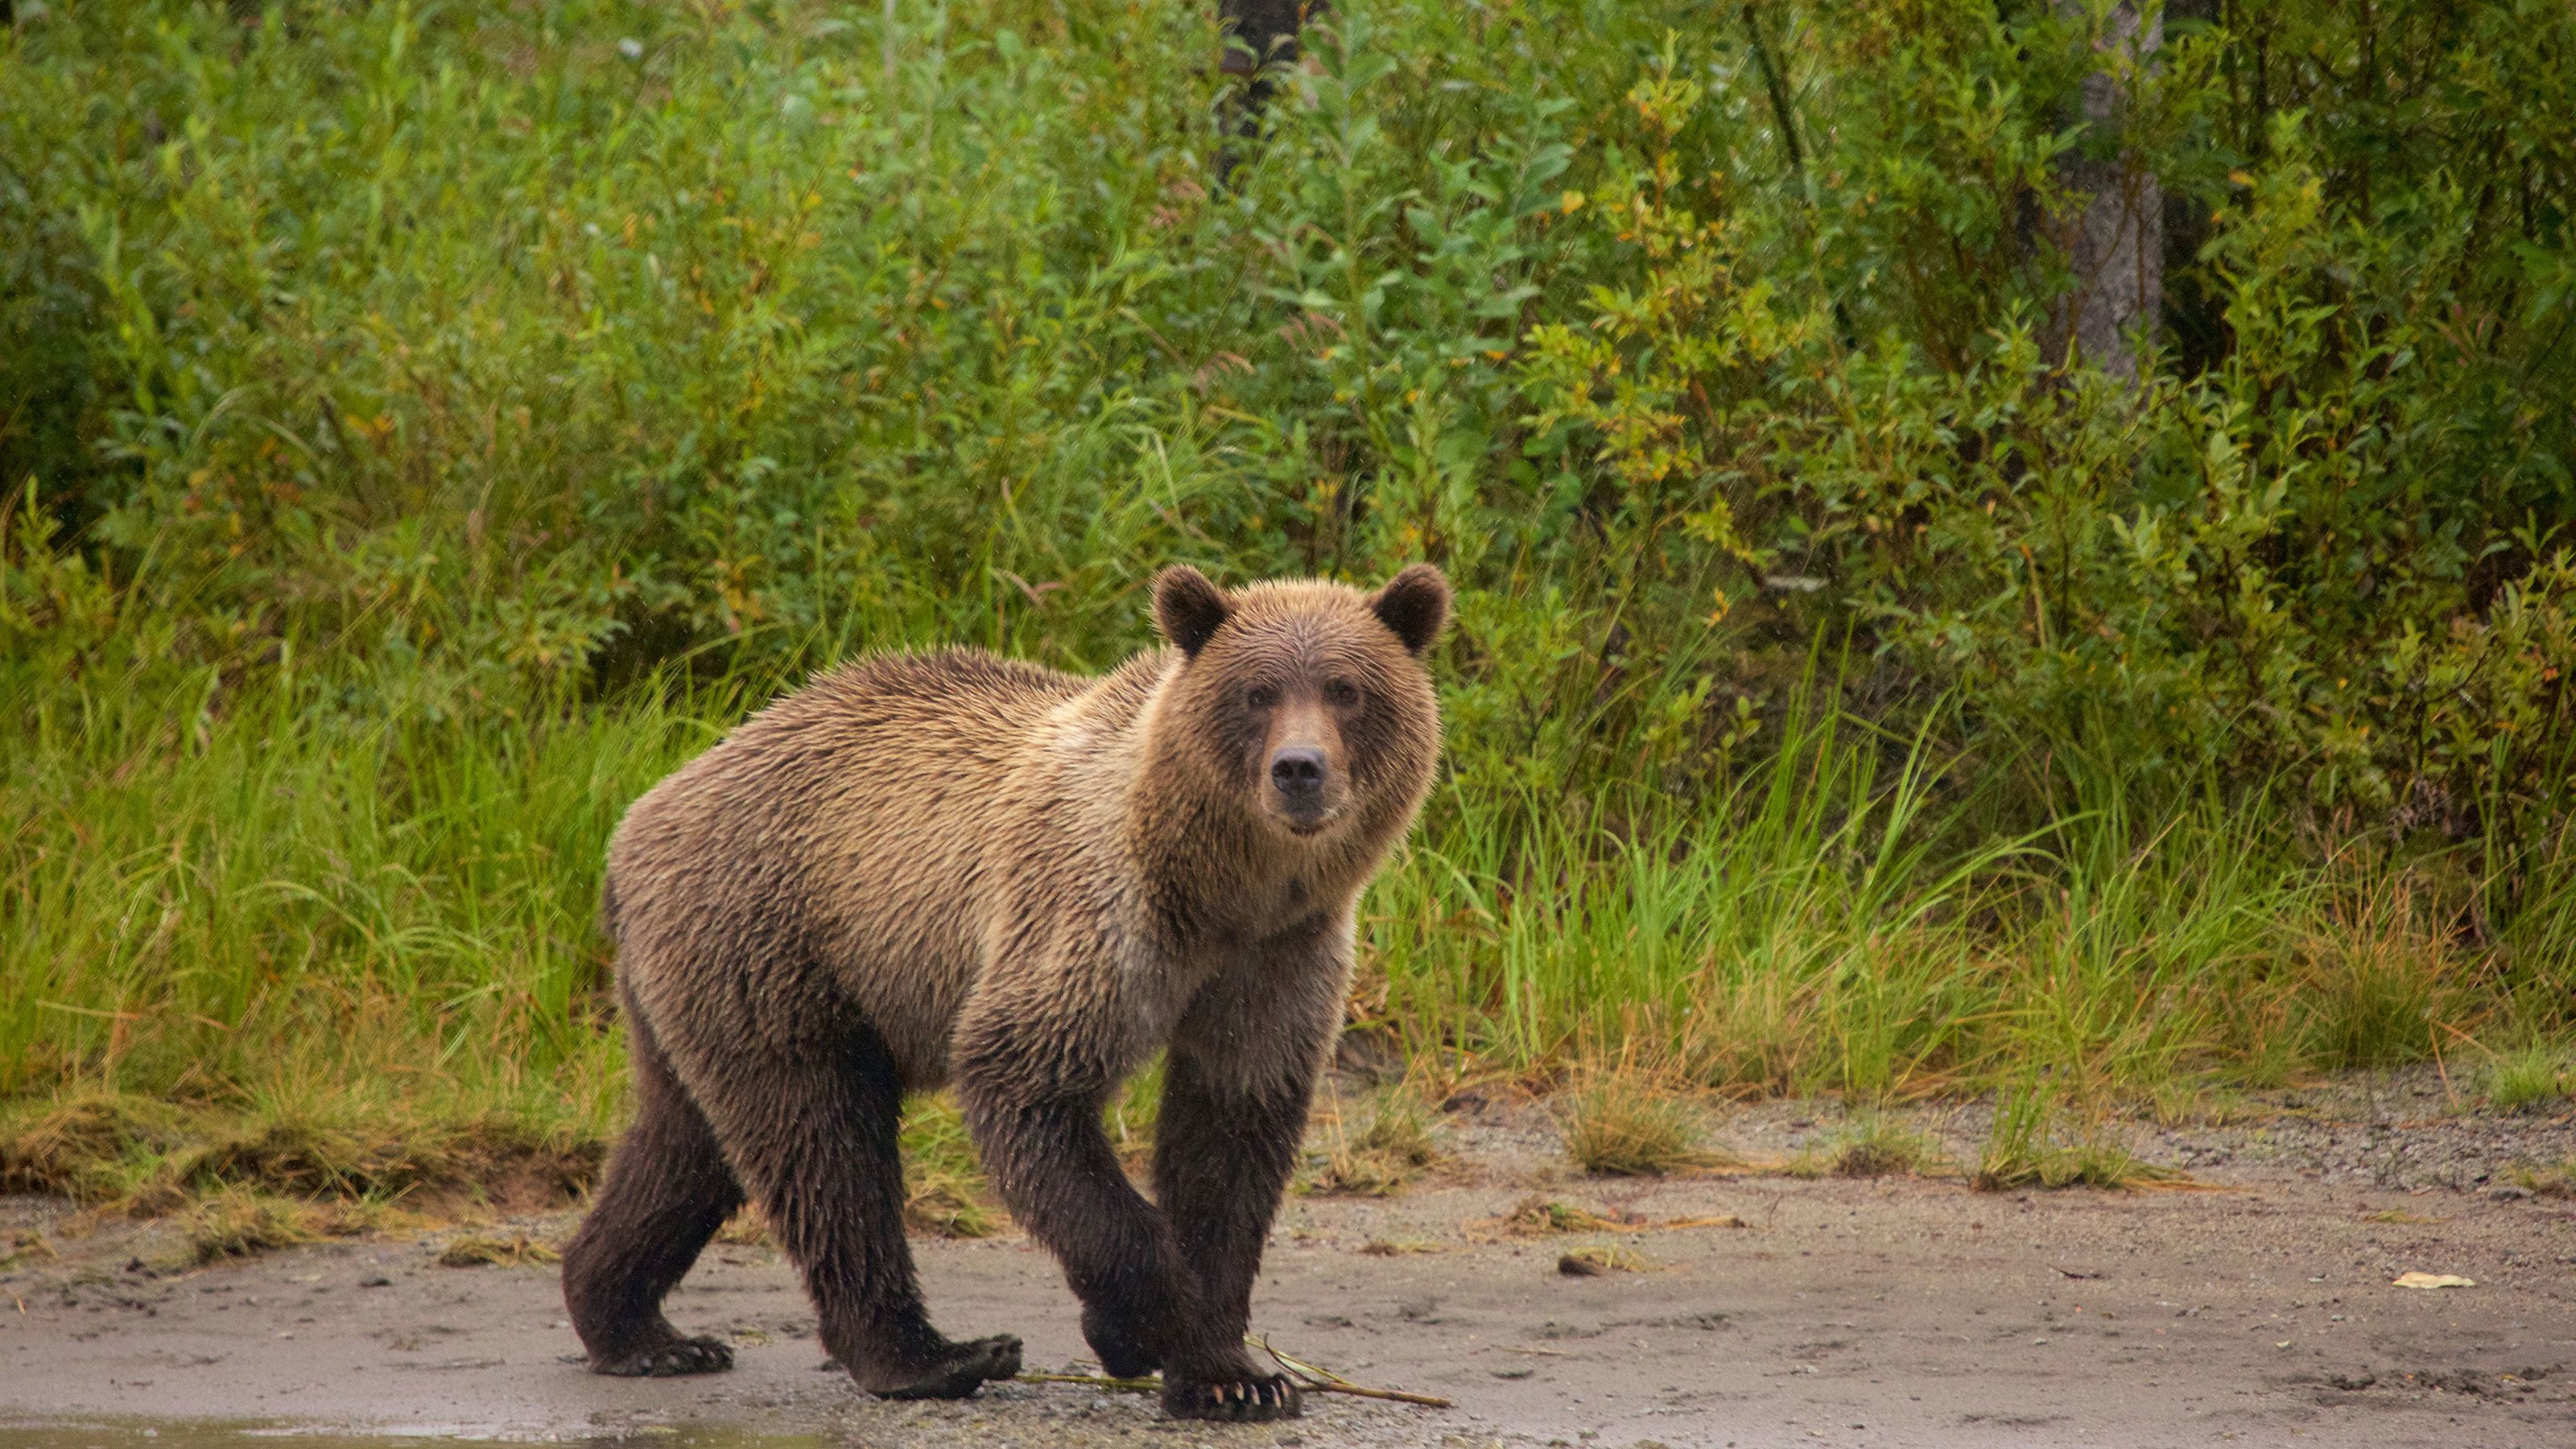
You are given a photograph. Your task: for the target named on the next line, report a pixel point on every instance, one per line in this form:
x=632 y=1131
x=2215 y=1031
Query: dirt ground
x=1879 y=1311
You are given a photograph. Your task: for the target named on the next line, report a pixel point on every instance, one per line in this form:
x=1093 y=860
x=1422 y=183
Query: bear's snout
x=1297 y=772
x=1304 y=792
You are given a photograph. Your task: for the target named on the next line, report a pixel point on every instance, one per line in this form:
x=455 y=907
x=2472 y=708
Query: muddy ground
x=1900 y=1311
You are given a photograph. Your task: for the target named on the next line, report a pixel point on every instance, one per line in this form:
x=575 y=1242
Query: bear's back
x=848 y=834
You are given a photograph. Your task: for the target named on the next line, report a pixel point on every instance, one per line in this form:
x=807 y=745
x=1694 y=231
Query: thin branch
x=1311 y=1377
x=1095 y=1381
x=1325 y=1381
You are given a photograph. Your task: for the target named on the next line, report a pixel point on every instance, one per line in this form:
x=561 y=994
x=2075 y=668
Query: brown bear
x=956 y=869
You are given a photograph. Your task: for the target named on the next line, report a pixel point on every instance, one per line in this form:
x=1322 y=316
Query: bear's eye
x=1342 y=693
x=1261 y=696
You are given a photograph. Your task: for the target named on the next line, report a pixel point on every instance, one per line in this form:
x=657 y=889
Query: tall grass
x=281 y=899
x=1841 y=921
x=288 y=893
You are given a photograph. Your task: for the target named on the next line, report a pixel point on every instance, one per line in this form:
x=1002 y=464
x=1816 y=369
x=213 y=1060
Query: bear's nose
x=1298 y=771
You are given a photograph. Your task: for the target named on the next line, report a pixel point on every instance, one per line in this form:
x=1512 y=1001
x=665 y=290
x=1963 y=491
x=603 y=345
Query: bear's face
x=1305 y=702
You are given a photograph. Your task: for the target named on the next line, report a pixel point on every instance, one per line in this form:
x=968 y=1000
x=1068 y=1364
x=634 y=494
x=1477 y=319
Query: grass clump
x=1624 y=1124
x=1399 y=1247
x=945 y=1191
x=130 y=1153
x=2189 y=1102
x=491 y=1161
x=515 y=1251
x=241 y=1222
x=2534 y=1077
x=1872 y=1146
x=1537 y=1216
x=1391 y=1148
x=1601 y=1259
x=745 y=1229
x=2546 y=1179
x=2033 y=1144
x=1131 y=1116
x=26 y=1246
x=92 y=1147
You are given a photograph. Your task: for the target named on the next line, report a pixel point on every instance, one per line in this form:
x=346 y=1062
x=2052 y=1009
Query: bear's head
x=1305 y=702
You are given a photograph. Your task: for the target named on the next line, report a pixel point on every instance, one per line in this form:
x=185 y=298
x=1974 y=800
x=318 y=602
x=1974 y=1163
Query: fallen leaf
x=2411 y=1279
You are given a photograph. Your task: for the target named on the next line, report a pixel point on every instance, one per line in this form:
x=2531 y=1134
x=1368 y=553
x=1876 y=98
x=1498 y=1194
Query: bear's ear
x=1415 y=603
x=1187 y=608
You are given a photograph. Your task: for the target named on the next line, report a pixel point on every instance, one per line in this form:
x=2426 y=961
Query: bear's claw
x=1245 y=1401
x=964 y=1370
x=667 y=1358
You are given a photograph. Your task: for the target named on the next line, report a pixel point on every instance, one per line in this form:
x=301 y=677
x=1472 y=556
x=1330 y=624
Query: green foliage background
x=428 y=423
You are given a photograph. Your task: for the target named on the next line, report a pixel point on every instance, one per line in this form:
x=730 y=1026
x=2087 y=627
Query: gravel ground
x=2257 y=1308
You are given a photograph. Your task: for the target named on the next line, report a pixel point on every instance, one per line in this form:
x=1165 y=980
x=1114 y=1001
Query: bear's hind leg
x=824 y=1162
x=667 y=1192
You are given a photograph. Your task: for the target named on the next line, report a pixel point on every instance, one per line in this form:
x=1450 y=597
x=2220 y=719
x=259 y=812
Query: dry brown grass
x=149 y=1157
x=238 y=1222
x=1872 y=1146
x=2546 y=1179
x=1392 y=1148
x=1535 y=1216
x=744 y=1230
x=945 y=1207
x=1626 y=1124
x=26 y=1246
x=517 y=1250
x=1593 y=1262
x=86 y=1147
x=1399 y=1247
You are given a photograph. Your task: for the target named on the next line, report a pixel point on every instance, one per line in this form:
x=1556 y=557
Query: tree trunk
x=2113 y=229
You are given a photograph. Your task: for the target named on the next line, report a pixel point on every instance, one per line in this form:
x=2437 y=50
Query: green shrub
x=424 y=425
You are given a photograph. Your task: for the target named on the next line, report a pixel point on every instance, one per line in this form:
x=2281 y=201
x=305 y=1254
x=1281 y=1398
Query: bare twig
x=1096 y=1381
x=1311 y=1377
x=1325 y=1381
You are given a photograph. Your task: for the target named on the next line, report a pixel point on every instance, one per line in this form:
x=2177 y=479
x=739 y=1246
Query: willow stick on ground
x=1324 y=1380
x=1154 y=1386
x=1312 y=1377
x=1095 y=1381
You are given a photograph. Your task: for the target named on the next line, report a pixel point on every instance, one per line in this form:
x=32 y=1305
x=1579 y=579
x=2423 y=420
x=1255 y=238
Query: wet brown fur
x=956 y=869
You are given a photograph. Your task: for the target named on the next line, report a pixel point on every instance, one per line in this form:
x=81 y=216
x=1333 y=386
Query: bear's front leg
x=1052 y=1027
x=1236 y=1088
x=1222 y=1156
x=1060 y=1178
